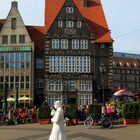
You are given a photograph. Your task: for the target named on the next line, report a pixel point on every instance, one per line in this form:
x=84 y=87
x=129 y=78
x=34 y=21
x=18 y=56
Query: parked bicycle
x=100 y=120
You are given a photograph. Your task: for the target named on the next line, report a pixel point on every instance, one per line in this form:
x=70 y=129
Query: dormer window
x=69 y=24
x=60 y=23
x=13 y=23
x=79 y=24
x=69 y=9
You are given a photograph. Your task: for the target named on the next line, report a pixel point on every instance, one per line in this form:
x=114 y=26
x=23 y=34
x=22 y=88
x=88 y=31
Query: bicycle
x=94 y=120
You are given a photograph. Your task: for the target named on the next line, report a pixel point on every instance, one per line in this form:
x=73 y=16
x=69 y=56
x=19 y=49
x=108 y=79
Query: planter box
x=130 y=121
x=44 y=121
x=73 y=121
x=138 y=120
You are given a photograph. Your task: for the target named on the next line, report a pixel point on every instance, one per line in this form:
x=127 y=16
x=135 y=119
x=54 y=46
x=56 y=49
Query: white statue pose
x=58 y=132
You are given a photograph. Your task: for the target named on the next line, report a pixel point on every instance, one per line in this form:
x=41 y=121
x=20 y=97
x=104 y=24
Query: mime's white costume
x=58 y=132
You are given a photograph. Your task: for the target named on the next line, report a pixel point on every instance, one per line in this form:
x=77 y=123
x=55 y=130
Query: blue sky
x=122 y=17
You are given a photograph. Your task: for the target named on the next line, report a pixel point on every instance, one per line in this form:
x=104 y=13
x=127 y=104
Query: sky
x=122 y=16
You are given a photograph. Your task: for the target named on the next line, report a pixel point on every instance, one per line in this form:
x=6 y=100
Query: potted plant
x=43 y=113
x=71 y=113
x=130 y=112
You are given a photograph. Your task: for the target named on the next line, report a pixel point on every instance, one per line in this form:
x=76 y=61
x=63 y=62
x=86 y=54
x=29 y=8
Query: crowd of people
x=26 y=115
x=21 y=115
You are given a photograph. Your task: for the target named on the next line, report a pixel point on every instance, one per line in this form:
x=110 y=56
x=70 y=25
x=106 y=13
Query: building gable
x=69 y=23
x=93 y=14
x=14 y=25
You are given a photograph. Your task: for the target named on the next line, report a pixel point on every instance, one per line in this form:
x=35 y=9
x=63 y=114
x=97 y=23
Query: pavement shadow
x=85 y=136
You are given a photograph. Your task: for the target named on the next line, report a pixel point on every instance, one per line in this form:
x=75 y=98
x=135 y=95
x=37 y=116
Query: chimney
x=85 y=3
x=14 y=4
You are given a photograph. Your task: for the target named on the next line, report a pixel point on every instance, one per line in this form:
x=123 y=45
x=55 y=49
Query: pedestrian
x=58 y=132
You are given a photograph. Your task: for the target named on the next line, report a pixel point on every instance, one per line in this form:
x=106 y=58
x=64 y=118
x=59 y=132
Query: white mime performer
x=58 y=132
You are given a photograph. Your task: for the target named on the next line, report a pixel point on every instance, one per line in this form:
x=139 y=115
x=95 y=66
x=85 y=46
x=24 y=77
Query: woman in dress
x=58 y=132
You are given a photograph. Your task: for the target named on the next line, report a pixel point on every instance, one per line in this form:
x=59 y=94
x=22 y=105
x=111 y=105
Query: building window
x=75 y=44
x=69 y=64
x=51 y=85
x=4 y=39
x=85 y=99
x=13 y=38
x=55 y=44
x=69 y=24
x=27 y=82
x=69 y=9
x=82 y=100
x=79 y=23
x=60 y=23
x=54 y=85
x=53 y=98
x=58 y=85
x=64 y=43
x=85 y=86
x=82 y=86
x=39 y=83
x=84 y=44
x=39 y=63
x=21 y=38
x=88 y=99
x=22 y=82
x=102 y=46
x=88 y=85
x=13 y=23
x=131 y=78
x=71 y=86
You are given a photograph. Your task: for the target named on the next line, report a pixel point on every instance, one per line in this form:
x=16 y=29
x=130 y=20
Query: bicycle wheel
x=88 y=122
x=106 y=122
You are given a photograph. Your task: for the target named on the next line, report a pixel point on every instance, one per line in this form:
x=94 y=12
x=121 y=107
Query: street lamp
x=16 y=100
x=4 y=106
x=102 y=71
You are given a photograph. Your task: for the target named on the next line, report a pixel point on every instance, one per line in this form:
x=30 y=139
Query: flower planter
x=44 y=121
x=73 y=121
x=139 y=120
x=130 y=121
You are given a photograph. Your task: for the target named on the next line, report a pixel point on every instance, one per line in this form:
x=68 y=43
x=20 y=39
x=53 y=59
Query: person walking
x=58 y=132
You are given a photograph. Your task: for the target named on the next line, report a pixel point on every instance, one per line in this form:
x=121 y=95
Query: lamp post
x=16 y=100
x=4 y=106
x=102 y=71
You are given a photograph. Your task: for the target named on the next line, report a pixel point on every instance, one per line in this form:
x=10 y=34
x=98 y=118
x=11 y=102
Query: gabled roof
x=37 y=34
x=93 y=14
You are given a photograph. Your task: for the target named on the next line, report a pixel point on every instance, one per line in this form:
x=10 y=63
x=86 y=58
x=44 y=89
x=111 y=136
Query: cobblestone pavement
x=78 y=132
